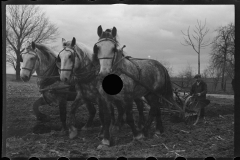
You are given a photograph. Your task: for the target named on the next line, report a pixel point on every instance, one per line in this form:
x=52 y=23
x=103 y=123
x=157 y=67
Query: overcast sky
x=146 y=30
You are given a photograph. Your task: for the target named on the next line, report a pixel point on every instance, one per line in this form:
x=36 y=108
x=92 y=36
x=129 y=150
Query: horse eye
x=70 y=56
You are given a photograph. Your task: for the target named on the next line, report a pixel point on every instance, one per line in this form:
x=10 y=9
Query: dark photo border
x=236 y=3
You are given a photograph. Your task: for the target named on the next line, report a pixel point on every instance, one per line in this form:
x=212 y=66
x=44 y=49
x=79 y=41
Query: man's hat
x=197 y=76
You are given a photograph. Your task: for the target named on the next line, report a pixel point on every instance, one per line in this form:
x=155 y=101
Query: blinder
x=20 y=58
x=58 y=58
x=73 y=54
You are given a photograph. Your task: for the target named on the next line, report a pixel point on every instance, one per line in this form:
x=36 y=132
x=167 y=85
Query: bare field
x=214 y=138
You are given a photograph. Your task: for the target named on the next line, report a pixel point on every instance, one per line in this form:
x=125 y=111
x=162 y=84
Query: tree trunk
x=198 y=63
x=223 y=73
x=225 y=84
x=18 y=68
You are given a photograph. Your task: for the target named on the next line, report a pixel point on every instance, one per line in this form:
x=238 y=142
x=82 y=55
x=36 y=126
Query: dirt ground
x=213 y=138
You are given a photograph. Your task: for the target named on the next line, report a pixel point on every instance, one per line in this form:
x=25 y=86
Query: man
x=199 y=91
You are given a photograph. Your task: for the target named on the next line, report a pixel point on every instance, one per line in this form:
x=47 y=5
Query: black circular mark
x=112 y=84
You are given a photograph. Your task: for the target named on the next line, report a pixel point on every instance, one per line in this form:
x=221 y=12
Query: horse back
x=152 y=74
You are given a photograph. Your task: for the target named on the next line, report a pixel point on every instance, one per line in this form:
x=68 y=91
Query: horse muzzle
x=25 y=78
x=105 y=72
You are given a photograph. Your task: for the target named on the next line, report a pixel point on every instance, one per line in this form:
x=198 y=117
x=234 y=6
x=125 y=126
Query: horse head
x=106 y=49
x=29 y=60
x=67 y=59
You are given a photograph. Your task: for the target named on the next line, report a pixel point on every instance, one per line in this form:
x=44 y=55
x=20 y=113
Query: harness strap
x=139 y=70
x=152 y=91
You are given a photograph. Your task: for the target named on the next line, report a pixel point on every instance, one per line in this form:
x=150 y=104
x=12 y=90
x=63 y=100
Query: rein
x=74 y=54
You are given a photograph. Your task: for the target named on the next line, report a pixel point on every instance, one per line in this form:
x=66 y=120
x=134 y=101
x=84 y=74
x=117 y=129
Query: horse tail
x=168 y=94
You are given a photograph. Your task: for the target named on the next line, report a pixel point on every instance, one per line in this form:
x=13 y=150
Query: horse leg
x=72 y=118
x=40 y=116
x=159 y=125
x=92 y=111
x=63 y=114
x=130 y=121
x=140 y=107
x=154 y=102
x=120 y=121
x=112 y=114
x=101 y=117
x=107 y=122
x=152 y=113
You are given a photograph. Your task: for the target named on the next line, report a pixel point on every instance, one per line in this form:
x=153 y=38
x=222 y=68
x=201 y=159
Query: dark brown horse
x=40 y=58
x=77 y=63
x=148 y=78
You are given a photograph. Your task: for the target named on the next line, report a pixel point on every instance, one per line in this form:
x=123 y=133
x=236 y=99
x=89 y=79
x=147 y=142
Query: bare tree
x=214 y=74
x=200 y=32
x=223 y=50
x=187 y=76
x=25 y=23
x=205 y=73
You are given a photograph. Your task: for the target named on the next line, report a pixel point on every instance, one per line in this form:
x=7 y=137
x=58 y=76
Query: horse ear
x=114 y=32
x=73 y=42
x=99 y=31
x=63 y=41
x=33 y=45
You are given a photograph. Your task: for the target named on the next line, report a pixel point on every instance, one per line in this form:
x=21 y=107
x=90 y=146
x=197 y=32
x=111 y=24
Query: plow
x=183 y=106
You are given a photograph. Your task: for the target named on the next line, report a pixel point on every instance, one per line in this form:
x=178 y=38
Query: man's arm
x=192 y=89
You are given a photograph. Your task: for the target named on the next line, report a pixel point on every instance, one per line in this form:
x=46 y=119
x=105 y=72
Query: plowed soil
x=213 y=138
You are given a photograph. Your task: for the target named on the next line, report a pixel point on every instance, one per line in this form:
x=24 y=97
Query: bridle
x=30 y=69
x=114 y=58
x=73 y=55
x=115 y=50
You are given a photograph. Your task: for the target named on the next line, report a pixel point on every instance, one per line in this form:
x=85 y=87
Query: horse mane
x=81 y=48
x=45 y=50
x=124 y=53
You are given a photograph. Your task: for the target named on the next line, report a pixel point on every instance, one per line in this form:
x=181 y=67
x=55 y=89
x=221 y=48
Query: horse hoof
x=157 y=132
x=72 y=133
x=105 y=142
x=102 y=147
x=138 y=137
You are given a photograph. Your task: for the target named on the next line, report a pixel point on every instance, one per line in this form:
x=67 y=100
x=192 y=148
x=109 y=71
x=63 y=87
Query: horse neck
x=44 y=64
x=85 y=62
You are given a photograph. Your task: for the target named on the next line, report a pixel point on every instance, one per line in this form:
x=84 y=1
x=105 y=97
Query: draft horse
x=40 y=58
x=77 y=63
x=141 y=77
